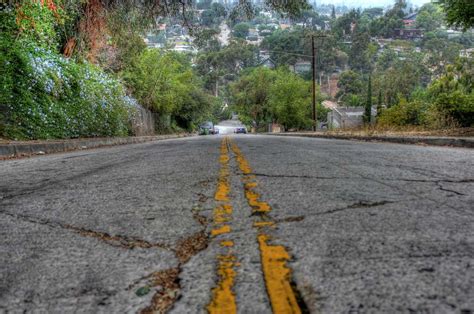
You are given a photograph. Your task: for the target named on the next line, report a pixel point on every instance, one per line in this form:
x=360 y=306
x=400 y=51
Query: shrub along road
x=252 y=224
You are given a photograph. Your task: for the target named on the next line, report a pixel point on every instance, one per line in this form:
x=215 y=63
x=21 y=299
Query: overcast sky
x=367 y=3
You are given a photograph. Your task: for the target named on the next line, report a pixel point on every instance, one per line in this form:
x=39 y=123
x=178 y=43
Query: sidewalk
x=466 y=142
x=12 y=149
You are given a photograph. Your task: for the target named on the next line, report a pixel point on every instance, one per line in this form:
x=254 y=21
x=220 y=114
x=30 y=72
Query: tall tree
x=358 y=55
x=459 y=13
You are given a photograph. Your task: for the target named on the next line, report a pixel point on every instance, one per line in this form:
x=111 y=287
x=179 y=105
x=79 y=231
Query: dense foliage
x=44 y=95
x=459 y=13
x=70 y=70
x=448 y=101
x=264 y=96
x=166 y=84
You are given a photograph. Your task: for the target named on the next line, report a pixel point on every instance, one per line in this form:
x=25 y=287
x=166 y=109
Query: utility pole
x=313 y=65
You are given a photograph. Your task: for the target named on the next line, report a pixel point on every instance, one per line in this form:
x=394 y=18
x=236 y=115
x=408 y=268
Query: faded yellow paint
x=222 y=191
x=277 y=276
x=227 y=243
x=223 y=298
x=227 y=208
x=274 y=258
x=222 y=213
x=243 y=163
x=220 y=230
x=259 y=224
x=253 y=200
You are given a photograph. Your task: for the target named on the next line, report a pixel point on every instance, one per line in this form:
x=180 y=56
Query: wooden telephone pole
x=313 y=64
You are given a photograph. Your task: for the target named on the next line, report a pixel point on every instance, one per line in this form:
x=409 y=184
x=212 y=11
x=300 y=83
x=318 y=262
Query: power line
x=289 y=53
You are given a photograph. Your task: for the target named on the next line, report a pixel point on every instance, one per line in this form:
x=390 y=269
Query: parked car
x=241 y=130
x=207 y=128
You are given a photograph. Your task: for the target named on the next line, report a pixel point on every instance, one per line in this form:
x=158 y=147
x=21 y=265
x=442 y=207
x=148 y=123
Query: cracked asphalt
x=253 y=224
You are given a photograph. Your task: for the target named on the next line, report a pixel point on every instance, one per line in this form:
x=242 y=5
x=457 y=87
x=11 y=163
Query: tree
x=288 y=41
x=225 y=63
x=452 y=95
x=297 y=42
x=349 y=84
x=263 y=96
x=373 y=12
x=250 y=96
x=85 y=22
x=160 y=81
x=429 y=17
x=359 y=56
x=214 y=15
x=379 y=104
x=219 y=10
x=393 y=19
x=368 y=103
x=400 y=80
x=459 y=13
x=333 y=12
x=290 y=99
x=204 y=4
x=241 y=30
x=439 y=53
x=342 y=26
x=206 y=39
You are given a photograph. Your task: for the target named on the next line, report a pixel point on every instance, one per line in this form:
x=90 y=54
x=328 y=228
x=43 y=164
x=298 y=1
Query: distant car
x=241 y=130
x=207 y=128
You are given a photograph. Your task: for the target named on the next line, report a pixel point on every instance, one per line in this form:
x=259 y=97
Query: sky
x=368 y=3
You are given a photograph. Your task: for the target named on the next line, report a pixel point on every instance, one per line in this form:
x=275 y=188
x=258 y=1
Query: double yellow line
x=274 y=258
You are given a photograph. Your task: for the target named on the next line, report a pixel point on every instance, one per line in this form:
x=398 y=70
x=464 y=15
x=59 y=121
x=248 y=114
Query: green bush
x=448 y=102
x=44 y=95
x=452 y=95
x=404 y=113
x=164 y=82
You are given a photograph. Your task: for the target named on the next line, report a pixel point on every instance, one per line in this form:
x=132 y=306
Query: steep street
x=246 y=223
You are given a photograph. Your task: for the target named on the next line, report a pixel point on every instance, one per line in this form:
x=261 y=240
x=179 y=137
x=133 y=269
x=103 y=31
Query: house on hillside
x=267 y=63
x=410 y=20
x=348 y=117
x=467 y=53
x=408 y=33
x=301 y=67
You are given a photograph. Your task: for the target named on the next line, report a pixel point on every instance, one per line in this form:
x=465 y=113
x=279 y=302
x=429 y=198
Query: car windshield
x=206 y=125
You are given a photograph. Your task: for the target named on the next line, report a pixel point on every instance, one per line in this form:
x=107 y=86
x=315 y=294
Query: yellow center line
x=223 y=297
x=274 y=258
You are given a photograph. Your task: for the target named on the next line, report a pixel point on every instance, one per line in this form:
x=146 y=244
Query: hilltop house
x=408 y=33
x=348 y=117
x=301 y=67
x=410 y=20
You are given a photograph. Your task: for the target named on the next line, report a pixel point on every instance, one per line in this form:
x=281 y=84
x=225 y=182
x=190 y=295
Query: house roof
x=411 y=16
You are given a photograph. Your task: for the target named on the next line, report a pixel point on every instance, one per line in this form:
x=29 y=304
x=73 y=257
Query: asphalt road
x=252 y=224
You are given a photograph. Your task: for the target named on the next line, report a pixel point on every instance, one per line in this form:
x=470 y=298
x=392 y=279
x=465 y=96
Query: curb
x=465 y=142
x=21 y=149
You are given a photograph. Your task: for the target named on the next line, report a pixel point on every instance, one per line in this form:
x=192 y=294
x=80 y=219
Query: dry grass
x=403 y=131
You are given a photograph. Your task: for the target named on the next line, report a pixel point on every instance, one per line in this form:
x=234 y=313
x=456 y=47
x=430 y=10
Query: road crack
x=360 y=204
x=259 y=174
x=442 y=188
x=113 y=240
x=168 y=282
